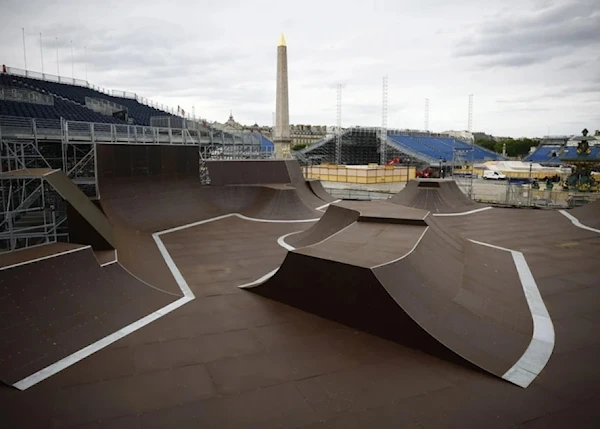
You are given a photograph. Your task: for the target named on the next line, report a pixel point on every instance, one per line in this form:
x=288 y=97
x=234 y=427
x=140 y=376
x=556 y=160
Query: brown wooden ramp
x=86 y=208
x=145 y=194
x=412 y=283
x=61 y=302
x=277 y=366
x=436 y=196
x=588 y=214
x=317 y=187
x=334 y=220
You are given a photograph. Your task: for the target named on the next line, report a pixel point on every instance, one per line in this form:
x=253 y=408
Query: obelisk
x=281 y=136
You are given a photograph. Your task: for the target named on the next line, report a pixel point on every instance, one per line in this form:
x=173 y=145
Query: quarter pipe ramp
x=436 y=196
x=410 y=281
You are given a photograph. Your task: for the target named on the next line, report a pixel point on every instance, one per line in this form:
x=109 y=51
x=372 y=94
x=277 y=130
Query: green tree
x=299 y=146
x=487 y=144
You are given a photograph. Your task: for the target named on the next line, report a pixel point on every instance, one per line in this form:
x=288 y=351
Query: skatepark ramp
x=400 y=275
x=84 y=212
x=139 y=198
x=588 y=214
x=436 y=196
x=59 y=305
x=82 y=204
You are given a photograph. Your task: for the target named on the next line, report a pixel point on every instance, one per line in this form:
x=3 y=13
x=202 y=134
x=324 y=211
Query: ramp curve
x=436 y=196
x=423 y=286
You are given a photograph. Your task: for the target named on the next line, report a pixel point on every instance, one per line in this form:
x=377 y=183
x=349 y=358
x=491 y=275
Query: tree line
x=514 y=147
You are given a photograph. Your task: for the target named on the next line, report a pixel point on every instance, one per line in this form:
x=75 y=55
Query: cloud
x=535 y=36
x=221 y=56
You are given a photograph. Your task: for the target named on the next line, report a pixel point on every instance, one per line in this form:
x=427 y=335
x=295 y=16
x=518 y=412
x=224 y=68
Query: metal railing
x=524 y=193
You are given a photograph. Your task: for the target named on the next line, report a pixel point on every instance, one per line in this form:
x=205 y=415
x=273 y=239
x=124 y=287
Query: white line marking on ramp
x=188 y=296
x=98 y=345
x=405 y=255
x=537 y=354
x=282 y=243
x=31 y=261
x=241 y=216
x=72 y=359
x=260 y=280
x=576 y=222
x=327 y=205
x=111 y=262
x=464 y=213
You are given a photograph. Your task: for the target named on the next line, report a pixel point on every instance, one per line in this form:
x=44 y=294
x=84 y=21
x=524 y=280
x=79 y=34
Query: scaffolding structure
x=383 y=131
x=339 y=137
x=359 y=146
x=463 y=159
x=32 y=213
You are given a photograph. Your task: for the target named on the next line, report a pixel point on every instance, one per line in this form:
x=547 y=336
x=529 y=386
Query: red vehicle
x=427 y=173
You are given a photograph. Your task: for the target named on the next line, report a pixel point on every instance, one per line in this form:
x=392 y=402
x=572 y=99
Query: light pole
x=530 y=184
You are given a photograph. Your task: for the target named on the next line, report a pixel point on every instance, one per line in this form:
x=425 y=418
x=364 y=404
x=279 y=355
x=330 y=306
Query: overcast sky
x=532 y=65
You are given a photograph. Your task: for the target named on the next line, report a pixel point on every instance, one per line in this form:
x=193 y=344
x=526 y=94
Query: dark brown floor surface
x=232 y=359
x=43 y=251
x=588 y=214
x=55 y=307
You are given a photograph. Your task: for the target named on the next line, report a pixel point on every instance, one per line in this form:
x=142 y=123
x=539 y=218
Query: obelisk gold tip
x=282 y=40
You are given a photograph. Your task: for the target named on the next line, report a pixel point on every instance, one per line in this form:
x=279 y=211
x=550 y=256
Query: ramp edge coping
x=576 y=221
x=538 y=353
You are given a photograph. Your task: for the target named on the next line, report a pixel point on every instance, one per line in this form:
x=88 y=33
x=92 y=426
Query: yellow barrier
x=369 y=174
x=511 y=174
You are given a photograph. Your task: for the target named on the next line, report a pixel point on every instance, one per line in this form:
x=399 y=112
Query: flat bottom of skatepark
x=230 y=358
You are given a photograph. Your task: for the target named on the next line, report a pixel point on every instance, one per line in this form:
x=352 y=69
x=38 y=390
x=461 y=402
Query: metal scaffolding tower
x=427 y=114
x=32 y=212
x=383 y=130
x=338 y=142
x=470 y=122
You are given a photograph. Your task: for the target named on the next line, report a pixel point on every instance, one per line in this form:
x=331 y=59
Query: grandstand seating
x=266 y=145
x=571 y=152
x=140 y=114
x=443 y=147
x=545 y=154
x=61 y=109
x=554 y=153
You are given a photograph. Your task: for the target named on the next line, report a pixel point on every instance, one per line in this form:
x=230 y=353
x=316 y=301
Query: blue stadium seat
x=545 y=154
x=266 y=145
x=444 y=147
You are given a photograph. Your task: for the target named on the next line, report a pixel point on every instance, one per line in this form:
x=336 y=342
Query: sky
x=533 y=66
